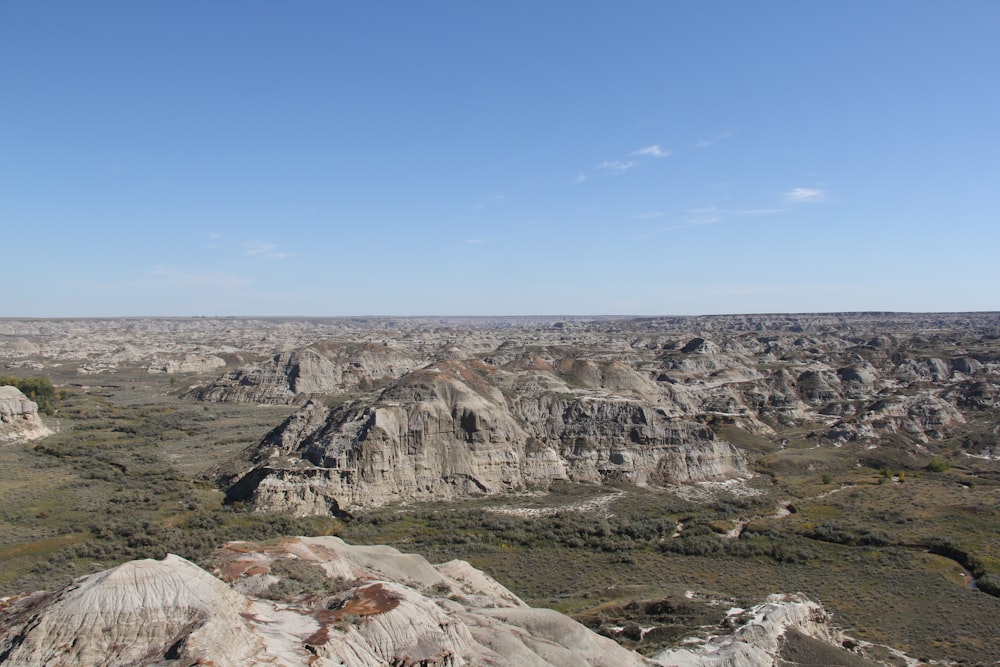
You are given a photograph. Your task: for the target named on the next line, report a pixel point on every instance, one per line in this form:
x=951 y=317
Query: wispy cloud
x=651 y=151
x=702 y=219
x=580 y=178
x=616 y=166
x=648 y=215
x=757 y=211
x=474 y=241
x=709 y=215
x=805 y=195
x=492 y=201
x=705 y=143
x=163 y=277
x=214 y=236
x=264 y=250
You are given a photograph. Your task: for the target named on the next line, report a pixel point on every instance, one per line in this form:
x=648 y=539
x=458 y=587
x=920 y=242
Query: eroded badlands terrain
x=629 y=472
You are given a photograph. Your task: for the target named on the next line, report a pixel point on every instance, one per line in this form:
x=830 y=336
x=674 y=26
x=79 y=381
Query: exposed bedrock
x=321 y=368
x=372 y=606
x=19 y=420
x=447 y=431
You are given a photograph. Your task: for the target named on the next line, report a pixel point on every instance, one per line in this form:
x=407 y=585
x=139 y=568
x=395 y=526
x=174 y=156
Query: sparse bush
x=39 y=390
x=298 y=577
x=938 y=465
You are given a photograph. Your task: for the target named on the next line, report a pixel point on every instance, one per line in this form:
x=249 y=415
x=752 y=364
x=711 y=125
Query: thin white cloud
x=651 y=151
x=648 y=215
x=805 y=195
x=709 y=215
x=705 y=143
x=162 y=277
x=264 y=250
x=757 y=211
x=492 y=201
x=474 y=241
x=703 y=220
x=736 y=211
x=258 y=247
x=615 y=166
x=214 y=236
x=580 y=178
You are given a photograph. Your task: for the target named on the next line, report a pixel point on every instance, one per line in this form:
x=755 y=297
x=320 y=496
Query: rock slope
x=457 y=428
x=19 y=420
x=325 y=368
x=784 y=630
x=353 y=606
x=319 y=601
x=443 y=413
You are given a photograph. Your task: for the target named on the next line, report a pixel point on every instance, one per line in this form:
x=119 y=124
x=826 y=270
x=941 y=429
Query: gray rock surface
x=185 y=363
x=319 y=369
x=449 y=430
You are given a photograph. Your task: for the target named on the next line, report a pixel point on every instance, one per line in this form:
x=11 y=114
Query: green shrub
x=938 y=465
x=39 y=390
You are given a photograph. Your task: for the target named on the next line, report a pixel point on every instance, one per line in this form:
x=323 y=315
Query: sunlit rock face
x=364 y=606
x=457 y=428
x=320 y=602
x=19 y=420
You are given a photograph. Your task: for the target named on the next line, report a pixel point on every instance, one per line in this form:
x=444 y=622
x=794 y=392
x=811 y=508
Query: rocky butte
x=459 y=428
x=427 y=417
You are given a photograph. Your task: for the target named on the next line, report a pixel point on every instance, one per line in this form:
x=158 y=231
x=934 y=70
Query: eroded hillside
x=615 y=470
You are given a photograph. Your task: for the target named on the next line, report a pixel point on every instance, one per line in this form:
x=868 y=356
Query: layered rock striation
x=456 y=428
x=644 y=406
x=322 y=368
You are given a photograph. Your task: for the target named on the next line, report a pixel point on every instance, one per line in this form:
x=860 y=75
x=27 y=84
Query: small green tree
x=39 y=390
x=938 y=464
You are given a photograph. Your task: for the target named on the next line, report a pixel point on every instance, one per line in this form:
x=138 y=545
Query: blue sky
x=502 y=158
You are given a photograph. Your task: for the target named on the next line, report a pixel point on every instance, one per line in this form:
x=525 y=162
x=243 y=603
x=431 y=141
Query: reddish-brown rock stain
x=367 y=601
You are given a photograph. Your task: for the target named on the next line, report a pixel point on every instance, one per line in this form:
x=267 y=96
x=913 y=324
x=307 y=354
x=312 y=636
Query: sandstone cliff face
x=363 y=606
x=448 y=430
x=322 y=368
x=639 y=401
x=19 y=418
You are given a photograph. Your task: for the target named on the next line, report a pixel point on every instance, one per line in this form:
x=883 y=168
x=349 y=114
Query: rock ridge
x=450 y=430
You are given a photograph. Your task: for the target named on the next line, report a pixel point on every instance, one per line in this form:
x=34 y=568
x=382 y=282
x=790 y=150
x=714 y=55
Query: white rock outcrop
x=133 y=614
x=377 y=607
x=759 y=641
x=19 y=420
